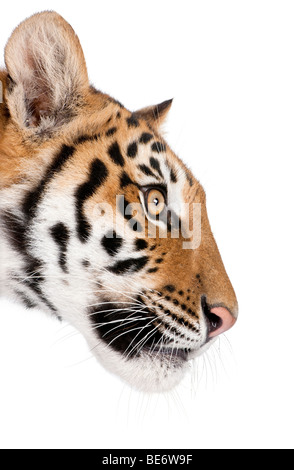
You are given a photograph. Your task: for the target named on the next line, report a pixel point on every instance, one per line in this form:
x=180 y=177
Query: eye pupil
x=156 y=201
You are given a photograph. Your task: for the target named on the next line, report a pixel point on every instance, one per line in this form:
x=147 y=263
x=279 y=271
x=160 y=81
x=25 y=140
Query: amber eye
x=155 y=202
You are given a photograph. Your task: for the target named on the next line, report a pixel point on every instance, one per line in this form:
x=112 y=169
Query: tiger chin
x=101 y=224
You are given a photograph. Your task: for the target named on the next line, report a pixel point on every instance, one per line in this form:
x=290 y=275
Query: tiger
x=92 y=205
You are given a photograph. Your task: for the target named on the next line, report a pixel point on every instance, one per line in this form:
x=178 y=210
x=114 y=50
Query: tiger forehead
x=132 y=148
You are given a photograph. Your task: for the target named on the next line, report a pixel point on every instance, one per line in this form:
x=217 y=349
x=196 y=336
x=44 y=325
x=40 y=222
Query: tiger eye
x=155 y=202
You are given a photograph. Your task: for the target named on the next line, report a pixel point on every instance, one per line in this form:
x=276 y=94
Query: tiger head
x=101 y=224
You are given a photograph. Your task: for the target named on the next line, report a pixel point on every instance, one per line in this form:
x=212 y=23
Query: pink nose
x=220 y=320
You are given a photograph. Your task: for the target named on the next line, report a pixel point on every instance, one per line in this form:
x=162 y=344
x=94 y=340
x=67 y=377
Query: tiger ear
x=155 y=115
x=47 y=72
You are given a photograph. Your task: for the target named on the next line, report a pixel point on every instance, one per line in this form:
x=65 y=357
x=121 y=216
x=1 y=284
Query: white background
x=230 y=67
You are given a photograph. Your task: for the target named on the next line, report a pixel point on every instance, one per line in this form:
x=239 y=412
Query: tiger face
x=101 y=224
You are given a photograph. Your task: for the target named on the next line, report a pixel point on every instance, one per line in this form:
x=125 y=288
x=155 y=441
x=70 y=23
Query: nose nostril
x=218 y=318
x=213 y=321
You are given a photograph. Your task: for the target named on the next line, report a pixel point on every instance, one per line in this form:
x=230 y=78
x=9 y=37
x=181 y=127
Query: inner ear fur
x=47 y=74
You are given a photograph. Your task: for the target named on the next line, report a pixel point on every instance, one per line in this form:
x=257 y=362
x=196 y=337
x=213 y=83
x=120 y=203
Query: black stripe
x=34 y=197
x=140 y=244
x=111 y=243
x=122 y=205
x=170 y=288
x=131 y=265
x=173 y=176
x=189 y=178
x=145 y=138
x=158 y=147
x=87 y=138
x=28 y=303
x=135 y=225
x=111 y=131
x=132 y=121
x=125 y=180
x=156 y=166
x=33 y=279
x=147 y=171
x=15 y=231
x=97 y=176
x=60 y=235
x=152 y=270
x=173 y=221
x=132 y=150
x=115 y=154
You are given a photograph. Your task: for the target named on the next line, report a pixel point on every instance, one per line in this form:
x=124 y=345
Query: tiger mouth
x=133 y=337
